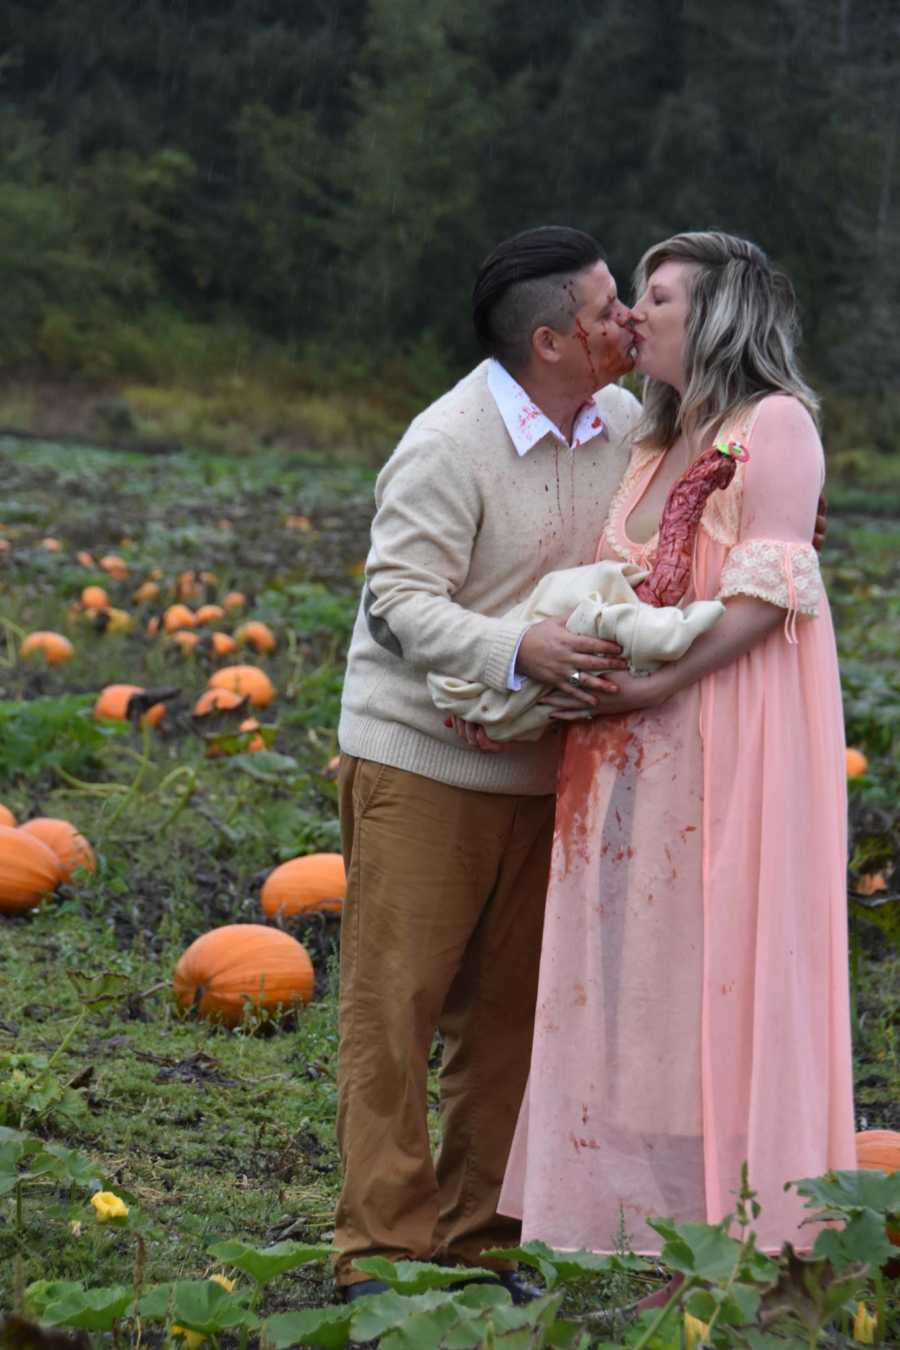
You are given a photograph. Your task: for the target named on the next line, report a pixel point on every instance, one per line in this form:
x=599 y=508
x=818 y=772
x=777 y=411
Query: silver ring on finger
x=575 y=678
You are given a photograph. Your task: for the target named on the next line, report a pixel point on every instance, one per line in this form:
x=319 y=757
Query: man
x=506 y=477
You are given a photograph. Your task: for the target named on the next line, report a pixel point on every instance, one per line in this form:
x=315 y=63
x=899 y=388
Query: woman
x=693 y=1005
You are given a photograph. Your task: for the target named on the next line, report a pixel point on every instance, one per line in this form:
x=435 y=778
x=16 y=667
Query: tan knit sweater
x=464 y=528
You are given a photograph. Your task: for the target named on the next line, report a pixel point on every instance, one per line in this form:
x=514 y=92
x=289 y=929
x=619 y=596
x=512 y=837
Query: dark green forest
x=190 y=183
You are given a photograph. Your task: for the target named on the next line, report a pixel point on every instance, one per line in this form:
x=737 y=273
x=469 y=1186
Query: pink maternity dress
x=693 y=1010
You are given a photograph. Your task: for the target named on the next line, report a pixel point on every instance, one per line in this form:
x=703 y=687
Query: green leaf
x=567 y=1267
x=846 y=1193
x=414 y=1277
x=199 y=1305
x=67 y=1164
x=379 y=1313
x=267 y=765
x=87 y=1309
x=883 y=913
x=98 y=990
x=698 y=1248
x=263 y=1264
x=864 y=1238
x=329 y=1327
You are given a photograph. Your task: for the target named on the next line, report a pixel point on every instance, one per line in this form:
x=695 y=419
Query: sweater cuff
x=500 y=655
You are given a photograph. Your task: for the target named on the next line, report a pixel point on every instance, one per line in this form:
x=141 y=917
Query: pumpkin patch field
x=172 y=630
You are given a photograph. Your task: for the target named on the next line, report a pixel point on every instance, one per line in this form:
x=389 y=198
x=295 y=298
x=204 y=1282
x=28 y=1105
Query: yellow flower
x=191 y=1339
x=694 y=1331
x=108 y=1206
x=223 y=1280
x=864 y=1325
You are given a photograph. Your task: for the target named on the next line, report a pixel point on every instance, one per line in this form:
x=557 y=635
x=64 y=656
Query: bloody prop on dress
x=671 y=572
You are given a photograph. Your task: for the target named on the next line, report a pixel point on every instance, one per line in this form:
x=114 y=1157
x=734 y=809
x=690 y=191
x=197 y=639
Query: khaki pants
x=441 y=929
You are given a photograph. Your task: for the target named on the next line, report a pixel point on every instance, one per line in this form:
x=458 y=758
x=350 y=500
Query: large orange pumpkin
x=53 y=647
x=29 y=870
x=316 y=882
x=240 y=964
x=249 y=680
x=7 y=817
x=879 y=1151
x=112 y=702
x=70 y=847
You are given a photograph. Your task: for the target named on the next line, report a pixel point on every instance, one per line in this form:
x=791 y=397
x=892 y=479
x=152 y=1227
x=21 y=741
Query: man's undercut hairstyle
x=527 y=282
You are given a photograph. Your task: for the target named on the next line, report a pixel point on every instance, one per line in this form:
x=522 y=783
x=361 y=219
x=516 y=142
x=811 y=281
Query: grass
x=215 y=1133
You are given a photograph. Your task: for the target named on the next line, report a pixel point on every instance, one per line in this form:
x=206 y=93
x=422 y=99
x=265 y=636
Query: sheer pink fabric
x=693 y=1004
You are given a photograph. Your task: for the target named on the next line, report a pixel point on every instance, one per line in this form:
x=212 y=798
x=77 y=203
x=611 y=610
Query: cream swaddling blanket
x=601 y=602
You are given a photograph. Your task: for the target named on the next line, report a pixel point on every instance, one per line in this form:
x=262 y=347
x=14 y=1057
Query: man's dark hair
x=527 y=282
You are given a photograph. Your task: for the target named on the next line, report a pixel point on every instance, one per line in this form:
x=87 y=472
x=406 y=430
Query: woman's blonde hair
x=740 y=341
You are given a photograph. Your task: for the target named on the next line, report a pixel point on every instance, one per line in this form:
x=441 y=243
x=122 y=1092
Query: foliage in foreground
x=740 y=1296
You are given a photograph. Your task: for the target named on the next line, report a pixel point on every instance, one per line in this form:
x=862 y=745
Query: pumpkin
x=178 y=616
x=52 y=545
x=235 y=600
x=86 y=559
x=217 y=700
x=243 y=963
x=53 y=646
x=222 y=644
x=255 y=742
x=116 y=567
x=209 y=614
x=94 y=597
x=316 y=882
x=108 y=620
x=70 y=847
x=258 y=635
x=29 y=870
x=148 y=590
x=153 y=624
x=7 y=817
x=879 y=1151
x=856 y=763
x=186 y=587
x=112 y=702
x=249 y=680
x=185 y=639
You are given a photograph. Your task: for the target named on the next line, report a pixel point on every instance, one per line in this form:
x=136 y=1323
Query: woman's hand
x=633 y=693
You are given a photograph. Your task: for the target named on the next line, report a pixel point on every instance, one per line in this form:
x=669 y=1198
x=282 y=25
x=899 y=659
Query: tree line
x=327 y=176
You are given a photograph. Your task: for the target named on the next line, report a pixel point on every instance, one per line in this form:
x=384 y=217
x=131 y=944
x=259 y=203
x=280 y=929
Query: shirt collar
x=525 y=421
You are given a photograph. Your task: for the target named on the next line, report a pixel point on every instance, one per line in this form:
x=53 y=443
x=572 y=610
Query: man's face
x=601 y=341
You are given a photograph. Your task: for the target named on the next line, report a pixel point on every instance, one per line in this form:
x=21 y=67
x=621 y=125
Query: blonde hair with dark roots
x=741 y=336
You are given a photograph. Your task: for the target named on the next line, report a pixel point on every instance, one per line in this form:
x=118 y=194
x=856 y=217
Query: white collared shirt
x=527 y=424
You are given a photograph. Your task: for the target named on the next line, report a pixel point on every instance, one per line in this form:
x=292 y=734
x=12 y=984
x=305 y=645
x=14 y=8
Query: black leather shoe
x=351 y=1292
x=518 y=1288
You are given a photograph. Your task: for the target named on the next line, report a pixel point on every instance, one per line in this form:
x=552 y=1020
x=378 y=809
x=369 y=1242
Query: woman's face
x=660 y=323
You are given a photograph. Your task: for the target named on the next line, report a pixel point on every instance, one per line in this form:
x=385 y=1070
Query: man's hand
x=551 y=654
x=475 y=734
x=821 y=525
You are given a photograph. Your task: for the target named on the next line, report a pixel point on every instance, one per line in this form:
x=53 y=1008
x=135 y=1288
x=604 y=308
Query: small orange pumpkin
x=29 y=870
x=70 y=847
x=235 y=600
x=52 y=545
x=856 y=763
x=178 y=616
x=222 y=644
x=148 y=590
x=94 y=597
x=243 y=963
x=879 y=1151
x=216 y=700
x=258 y=635
x=249 y=680
x=316 y=882
x=255 y=742
x=112 y=702
x=86 y=559
x=115 y=566
x=52 y=646
x=7 y=817
x=209 y=614
x=184 y=639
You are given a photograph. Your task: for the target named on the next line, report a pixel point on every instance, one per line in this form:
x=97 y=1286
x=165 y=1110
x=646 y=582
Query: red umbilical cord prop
x=671 y=572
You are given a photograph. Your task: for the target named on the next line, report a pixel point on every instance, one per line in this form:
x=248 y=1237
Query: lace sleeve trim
x=784 y=574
